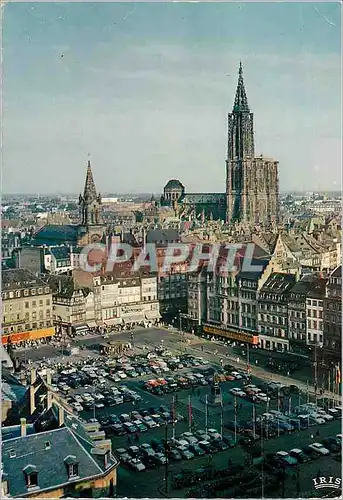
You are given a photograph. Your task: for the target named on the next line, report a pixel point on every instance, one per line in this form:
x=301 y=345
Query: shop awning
x=92 y=324
x=152 y=315
x=134 y=318
x=113 y=321
x=81 y=327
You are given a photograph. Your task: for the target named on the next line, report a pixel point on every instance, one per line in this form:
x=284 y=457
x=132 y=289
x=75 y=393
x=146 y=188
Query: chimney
x=23 y=427
x=33 y=376
x=48 y=376
x=60 y=416
x=49 y=400
x=32 y=399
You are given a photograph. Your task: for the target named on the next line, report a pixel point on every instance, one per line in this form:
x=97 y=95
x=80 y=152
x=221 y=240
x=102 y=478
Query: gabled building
x=69 y=304
x=332 y=318
x=315 y=313
x=298 y=310
x=27 y=307
x=273 y=311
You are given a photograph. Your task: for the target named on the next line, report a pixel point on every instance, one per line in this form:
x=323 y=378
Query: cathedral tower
x=252 y=182
x=90 y=209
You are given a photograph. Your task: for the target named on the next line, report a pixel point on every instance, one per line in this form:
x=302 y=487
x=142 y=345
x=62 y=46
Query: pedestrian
x=318 y=433
x=202 y=348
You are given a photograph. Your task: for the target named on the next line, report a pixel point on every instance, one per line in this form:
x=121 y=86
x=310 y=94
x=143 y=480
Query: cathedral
x=90 y=229
x=252 y=185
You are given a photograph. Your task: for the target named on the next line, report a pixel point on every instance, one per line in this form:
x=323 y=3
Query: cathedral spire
x=90 y=201
x=89 y=192
x=241 y=101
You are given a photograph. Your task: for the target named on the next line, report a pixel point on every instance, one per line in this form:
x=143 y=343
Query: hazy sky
x=146 y=88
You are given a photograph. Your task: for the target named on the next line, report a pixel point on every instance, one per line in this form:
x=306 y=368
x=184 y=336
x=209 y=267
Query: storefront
x=80 y=329
x=243 y=337
x=273 y=343
x=113 y=322
x=133 y=319
x=32 y=335
x=153 y=316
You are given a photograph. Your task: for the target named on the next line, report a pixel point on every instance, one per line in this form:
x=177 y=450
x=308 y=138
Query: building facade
x=273 y=311
x=315 y=313
x=332 y=318
x=27 y=307
x=252 y=186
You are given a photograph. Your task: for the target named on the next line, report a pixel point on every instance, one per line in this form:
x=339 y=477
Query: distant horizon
x=137 y=195
x=145 y=89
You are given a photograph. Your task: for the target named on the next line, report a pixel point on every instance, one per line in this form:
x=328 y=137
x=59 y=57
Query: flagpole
x=221 y=418
x=235 y=419
x=278 y=409
x=190 y=413
x=267 y=429
x=308 y=400
x=253 y=416
x=173 y=410
x=206 y=414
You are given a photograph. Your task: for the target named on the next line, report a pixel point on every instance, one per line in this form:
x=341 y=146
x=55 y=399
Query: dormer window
x=72 y=466
x=31 y=476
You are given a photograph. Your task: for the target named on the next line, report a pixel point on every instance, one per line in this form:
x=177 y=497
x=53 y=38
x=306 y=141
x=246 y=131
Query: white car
x=122 y=375
x=319 y=448
x=324 y=415
x=214 y=434
x=241 y=394
x=316 y=420
x=263 y=397
x=137 y=464
x=78 y=398
x=235 y=390
x=149 y=422
x=236 y=375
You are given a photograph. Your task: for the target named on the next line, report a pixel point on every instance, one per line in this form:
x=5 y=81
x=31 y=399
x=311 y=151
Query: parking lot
x=143 y=399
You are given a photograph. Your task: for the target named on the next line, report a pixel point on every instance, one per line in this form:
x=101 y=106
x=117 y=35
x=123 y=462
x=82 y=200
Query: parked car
x=299 y=455
x=319 y=448
x=286 y=458
x=137 y=464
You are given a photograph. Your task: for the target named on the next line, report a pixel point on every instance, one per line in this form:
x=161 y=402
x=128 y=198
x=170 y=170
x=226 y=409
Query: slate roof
x=203 y=198
x=174 y=184
x=51 y=233
x=45 y=451
x=15 y=279
x=303 y=286
x=279 y=283
x=162 y=235
x=60 y=253
x=65 y=286
x=253 y=275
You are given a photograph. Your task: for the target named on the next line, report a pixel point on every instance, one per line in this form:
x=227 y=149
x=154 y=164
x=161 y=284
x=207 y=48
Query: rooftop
x=46 y=453
x=14 y=279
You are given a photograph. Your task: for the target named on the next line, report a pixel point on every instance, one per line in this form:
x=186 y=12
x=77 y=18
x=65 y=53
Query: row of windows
x=27 y=327
x=314 y=324
x=18 y=293
x=314 y=302
x=314 y=313
x=34 y=303
x=276 y=320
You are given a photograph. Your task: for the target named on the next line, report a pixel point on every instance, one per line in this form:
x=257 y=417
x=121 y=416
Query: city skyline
x=149 y=100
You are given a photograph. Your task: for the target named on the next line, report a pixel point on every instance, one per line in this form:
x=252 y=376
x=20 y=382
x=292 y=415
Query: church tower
x=90 y=210
x=251 y=182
